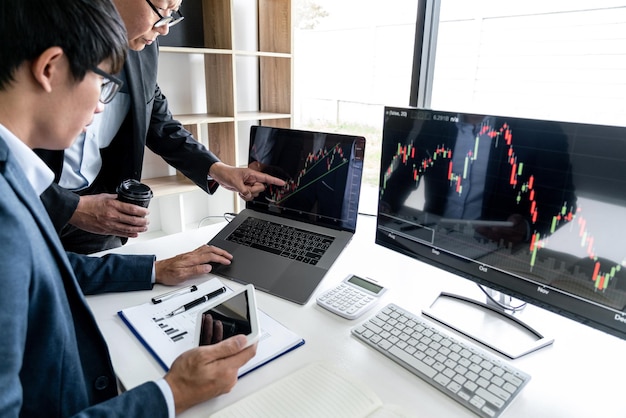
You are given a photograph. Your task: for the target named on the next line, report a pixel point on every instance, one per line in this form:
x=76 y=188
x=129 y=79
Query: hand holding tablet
x=229 y=315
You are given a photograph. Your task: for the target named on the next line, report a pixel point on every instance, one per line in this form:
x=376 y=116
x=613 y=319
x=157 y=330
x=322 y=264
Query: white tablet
x=229 y=315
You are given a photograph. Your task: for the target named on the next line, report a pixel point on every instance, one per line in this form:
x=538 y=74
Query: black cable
x=228 y=216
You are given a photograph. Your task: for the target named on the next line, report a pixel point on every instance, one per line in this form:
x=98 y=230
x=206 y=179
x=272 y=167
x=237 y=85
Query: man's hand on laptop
x=245 y=181
x=175 y=270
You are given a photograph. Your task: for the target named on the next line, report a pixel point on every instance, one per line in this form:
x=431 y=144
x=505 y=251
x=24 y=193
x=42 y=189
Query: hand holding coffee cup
x=135 y=192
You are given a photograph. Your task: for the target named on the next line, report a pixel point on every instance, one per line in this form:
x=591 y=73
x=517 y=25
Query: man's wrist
x=166 y=390
x=212 y=184
x=153 y=275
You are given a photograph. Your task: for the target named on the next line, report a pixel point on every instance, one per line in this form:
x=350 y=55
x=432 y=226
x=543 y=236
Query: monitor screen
x=322 y=170
x=533 y=208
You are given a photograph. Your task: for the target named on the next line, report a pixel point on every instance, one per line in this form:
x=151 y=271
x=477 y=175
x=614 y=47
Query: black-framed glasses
x=175 y=18
x=110 y=85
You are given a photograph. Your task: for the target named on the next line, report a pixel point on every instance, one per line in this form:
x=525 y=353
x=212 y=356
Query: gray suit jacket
x=55 y=362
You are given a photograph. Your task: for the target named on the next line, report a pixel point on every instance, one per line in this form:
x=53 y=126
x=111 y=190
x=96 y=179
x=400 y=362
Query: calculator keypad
x=346 y=301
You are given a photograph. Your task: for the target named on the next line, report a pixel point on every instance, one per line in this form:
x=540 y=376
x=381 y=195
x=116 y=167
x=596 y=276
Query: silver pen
x=196 y=302
x=173 y=293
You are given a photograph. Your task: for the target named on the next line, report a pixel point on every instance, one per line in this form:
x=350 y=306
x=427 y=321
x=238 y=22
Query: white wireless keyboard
x=476 y=378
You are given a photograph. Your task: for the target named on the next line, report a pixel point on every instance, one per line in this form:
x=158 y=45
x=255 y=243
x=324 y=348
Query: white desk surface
x=580 y=375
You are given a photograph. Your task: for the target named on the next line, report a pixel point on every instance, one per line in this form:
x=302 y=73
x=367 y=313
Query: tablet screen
x=229 y=318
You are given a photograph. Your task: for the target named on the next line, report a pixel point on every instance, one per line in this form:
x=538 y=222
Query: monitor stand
x=501 y=301
x=487 y=323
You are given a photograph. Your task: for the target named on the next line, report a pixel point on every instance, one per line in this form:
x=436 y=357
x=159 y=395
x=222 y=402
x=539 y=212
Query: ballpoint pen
x=169 y=295
x=196 y=302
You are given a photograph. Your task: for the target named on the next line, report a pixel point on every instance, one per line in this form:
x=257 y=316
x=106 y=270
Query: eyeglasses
x=170 y=20
x=110 y=85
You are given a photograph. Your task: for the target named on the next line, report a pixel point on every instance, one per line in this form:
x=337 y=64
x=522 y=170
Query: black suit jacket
x=149 y=123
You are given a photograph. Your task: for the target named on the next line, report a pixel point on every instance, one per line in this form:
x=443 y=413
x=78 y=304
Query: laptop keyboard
x=286 y=241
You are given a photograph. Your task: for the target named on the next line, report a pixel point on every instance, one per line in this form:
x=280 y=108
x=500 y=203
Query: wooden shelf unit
x=275 y=79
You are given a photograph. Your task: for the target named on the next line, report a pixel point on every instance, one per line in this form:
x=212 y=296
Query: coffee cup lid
x=135 y=189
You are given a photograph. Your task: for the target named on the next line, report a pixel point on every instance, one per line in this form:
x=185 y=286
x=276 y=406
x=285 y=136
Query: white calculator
x=353 y=297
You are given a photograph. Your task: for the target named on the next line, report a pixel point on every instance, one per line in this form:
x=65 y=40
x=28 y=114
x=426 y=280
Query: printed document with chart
x=167 y=337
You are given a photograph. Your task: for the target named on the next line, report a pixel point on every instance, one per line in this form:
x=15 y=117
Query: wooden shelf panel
x=275 y=84
x=212 y=51
x=275 y=25
x=220 y=84
x=262 y=115
x=194 y=50
x=262 y=54
x=163 y=186
x=198 y=118
x=218 y=23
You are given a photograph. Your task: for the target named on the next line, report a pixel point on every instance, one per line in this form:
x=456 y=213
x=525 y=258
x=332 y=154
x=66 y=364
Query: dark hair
x=88 y=31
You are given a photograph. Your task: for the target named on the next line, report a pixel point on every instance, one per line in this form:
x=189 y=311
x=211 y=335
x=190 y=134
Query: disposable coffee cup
x=135 y=192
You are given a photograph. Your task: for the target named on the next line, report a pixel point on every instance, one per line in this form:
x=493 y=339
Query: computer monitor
x=532 y=208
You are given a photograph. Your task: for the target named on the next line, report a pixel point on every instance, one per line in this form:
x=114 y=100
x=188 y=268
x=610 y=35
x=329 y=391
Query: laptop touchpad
x=247 y=268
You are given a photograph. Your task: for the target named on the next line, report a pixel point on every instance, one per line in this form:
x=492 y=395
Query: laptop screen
x=323 y=173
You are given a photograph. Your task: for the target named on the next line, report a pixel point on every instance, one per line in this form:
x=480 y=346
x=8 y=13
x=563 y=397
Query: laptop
x=318 y=207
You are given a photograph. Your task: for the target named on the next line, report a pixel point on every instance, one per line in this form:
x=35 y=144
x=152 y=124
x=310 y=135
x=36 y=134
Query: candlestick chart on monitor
x=528 y=173
x=322 y=174
x=317 y=166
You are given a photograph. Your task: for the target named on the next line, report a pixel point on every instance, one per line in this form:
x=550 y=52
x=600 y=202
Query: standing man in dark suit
x=56 y=57
x=82 y=202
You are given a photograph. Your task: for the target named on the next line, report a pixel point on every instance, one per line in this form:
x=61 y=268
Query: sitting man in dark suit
x=56 y=57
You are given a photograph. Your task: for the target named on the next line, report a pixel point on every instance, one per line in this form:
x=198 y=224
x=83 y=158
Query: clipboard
x=166 y=338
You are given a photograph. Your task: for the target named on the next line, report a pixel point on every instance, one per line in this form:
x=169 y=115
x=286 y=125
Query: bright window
x=557 y=59
x=352 y=57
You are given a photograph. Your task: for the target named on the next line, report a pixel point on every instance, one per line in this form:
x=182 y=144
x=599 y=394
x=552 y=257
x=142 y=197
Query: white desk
x=580 y=375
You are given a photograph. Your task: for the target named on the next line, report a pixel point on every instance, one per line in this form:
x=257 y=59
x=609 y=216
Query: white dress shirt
x=82 y=161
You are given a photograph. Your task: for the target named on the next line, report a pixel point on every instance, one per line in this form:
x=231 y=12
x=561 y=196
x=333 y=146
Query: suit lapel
x=135 y=77
x=25 y=193
x=134 y=83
